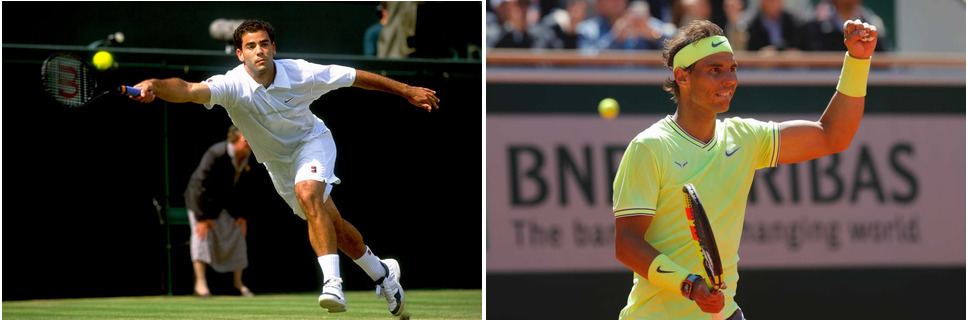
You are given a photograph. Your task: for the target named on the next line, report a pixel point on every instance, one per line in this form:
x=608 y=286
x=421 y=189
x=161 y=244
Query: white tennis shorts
x=314 y=160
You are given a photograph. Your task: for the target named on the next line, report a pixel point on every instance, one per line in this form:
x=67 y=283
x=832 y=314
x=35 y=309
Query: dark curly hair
x=692 y=32
x=252 y=25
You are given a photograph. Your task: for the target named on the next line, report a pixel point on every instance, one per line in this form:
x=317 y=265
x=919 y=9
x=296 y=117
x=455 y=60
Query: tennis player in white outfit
x=268 y=100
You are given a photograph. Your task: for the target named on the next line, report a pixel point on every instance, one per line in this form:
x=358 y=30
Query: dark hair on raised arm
x=692 y=32
x=252 y=25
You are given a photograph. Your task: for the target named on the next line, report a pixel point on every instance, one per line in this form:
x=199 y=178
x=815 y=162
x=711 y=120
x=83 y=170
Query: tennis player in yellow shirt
x=719 y=157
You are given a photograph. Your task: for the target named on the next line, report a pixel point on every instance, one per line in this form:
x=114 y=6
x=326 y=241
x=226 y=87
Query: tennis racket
x=73 y=83
x=702 y=232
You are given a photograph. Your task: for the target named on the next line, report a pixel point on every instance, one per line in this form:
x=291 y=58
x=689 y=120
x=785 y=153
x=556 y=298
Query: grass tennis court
x=421 y=304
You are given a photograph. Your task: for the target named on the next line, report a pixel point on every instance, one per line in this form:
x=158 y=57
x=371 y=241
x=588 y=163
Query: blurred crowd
x=756 y=25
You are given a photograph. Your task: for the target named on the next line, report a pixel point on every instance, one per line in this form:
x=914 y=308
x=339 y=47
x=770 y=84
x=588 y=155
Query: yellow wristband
x=667 y=274
x=853 y=77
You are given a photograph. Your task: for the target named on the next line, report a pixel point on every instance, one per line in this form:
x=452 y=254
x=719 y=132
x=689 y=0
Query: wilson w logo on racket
x=67 y=80
x=702 y=232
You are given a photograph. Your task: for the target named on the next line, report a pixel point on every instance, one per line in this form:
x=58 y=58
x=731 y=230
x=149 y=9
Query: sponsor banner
x=895 y=198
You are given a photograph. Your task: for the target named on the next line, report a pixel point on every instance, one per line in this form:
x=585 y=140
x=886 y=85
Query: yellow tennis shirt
x=655 y=166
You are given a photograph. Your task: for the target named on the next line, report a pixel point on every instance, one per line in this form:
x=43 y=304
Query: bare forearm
x=841 y=119
x=417 y=96
x=371 y=81
x=634 y=252
x=172 y=90
x=640 y=256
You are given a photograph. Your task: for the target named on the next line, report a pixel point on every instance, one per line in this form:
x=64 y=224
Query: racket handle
x=128 y=90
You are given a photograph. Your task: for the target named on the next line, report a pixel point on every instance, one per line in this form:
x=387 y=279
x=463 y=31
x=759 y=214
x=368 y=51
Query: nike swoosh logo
x=659 y=269
x=290 y=99
x=730 y=154
x=716 y=44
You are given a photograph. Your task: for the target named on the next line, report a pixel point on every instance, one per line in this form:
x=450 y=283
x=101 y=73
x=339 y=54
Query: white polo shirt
x=277 y=119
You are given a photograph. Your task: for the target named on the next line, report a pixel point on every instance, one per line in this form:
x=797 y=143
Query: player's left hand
x=709 y=302
x=860 y=38
x=422 y=97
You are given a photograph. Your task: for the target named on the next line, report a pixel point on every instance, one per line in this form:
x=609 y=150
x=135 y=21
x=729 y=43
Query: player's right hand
x=147 y=95
x=709 y=302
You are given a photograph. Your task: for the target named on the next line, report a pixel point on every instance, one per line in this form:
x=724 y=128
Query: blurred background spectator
x=661 y=9
x=618 y=24
x=684 y=11
x=492 y=24
x=735 y=27
x=509 y=27
x=372 y=34
x=772 y=27
x=731 y=11
x=827 y=27
x=558 y=28
x=755 y=25
x=394 y=41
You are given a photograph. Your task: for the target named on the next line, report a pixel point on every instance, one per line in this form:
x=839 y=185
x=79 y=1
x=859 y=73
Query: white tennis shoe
x=389 y=288
x=332 y=297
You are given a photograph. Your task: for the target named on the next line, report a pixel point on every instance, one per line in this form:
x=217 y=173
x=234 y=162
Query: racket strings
x=68 y=80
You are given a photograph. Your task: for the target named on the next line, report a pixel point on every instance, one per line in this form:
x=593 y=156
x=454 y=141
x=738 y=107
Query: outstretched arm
x=420 y=97
x=802 y=140
x=173 y=90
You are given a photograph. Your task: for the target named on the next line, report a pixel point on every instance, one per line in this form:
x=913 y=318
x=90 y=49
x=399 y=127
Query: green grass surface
x=420 y=304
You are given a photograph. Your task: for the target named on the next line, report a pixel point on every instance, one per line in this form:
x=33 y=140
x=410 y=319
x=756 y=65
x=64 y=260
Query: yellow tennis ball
x=103 y=60
x=608 y=108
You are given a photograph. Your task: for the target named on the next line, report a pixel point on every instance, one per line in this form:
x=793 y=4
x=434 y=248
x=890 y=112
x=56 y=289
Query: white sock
x=330 y=265
x=371 y=264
